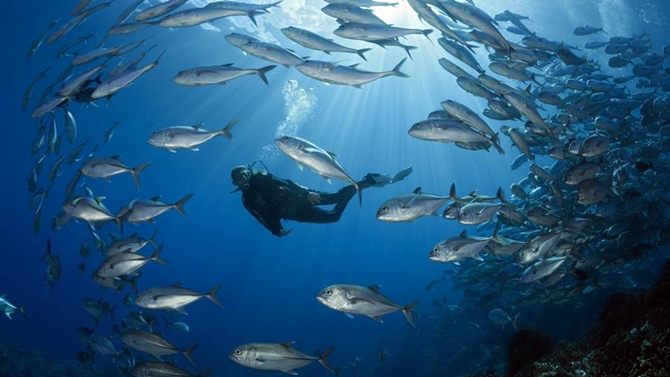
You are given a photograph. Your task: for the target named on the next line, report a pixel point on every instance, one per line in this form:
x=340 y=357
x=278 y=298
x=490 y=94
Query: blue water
x=270 y=283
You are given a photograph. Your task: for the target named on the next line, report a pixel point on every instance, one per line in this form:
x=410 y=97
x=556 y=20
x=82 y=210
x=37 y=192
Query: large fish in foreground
x=188 y=137
x=355 y=299
x=276 y=356
x=217 y=74
x=343 y=75
x=320 y=161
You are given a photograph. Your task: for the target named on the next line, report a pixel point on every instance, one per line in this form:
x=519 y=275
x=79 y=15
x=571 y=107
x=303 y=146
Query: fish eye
x=435 y=249
x=238 y=351
x=328 y=292
x=385 y=208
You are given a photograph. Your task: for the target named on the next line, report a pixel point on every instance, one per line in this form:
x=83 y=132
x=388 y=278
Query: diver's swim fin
x=380 y=180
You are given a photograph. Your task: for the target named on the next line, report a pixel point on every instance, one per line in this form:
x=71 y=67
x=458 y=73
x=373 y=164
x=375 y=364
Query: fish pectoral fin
x=181 y=310
x=195 y=149
x=300 y=166
x=327 y=179
x=377 y=318
x=172 y=150
x=349 y=315
x=290 y=371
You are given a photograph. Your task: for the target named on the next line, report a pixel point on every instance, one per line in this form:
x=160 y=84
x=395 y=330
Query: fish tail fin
x=225 y=131
x=179 y=206
x=156 y=256
x=323 y=359
x=252 y=16
x=262 y=71
x=408 y=50
x=187 y=353
x=152 y=240
x=47 y=253
x=22 y=310
x=495 y=140
x=516 y=317
x=396 y=69
x=205 y=373
x=136 y=173
x=133 y=282
x=119 y=222
x=426 y=32
x=211 y=295
x=363 y=51
x=407 y=311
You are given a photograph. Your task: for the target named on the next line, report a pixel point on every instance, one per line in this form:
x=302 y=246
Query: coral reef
x=631 y=338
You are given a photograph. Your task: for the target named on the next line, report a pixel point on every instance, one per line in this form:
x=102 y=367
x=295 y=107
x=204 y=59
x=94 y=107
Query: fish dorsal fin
x=331 y=154
x=156 y=198
x=417 y=190
x=197 y=126
x=176 y=284
x=463 y=234
x=374 y=288
x=99 y=199
x=75 y=201
x=228 y=65
x=287 y=344
x=116 y=157
x=353 y=65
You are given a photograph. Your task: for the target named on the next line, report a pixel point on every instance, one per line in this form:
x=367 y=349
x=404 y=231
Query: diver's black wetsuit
x=270 y=199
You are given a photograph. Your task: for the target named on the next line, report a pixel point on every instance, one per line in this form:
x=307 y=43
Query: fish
x=352 y=13
x=371 y=32
x=188 y=137
x=107 y=167
x=276 y=356
x=54 y=270
x=27 y=95
x=158 y=10
x=542 y=268
x=177 y=326
x=8 y=308
x=219 y=74
x=320 y=161
x=197 y=16
x=113 y=84
x=367 y=301
x=453 y=131
x=410 y=207
x=90 y=209
x=315 y=41
x=130 y=244
x=344 y=75
x=154 y=345
x=173 y=297
x=126 y=263
x=146 y=210
x=263 y=50
x=458 y=248
x=500 y=317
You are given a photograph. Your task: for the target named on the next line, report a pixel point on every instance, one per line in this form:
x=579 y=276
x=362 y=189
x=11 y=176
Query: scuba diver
x=270 y=199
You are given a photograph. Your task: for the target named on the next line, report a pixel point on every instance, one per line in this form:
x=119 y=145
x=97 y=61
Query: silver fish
x=173 y=297
x=316 y=42
x=188 y=137
x=409 y=207
x=343 y=75
x=276 y=356
x=146 y=210
x=125 y=263
x=217 y=74
x=158 y=10
x=154 y=345
x=320 y=161
x=8 y=308
x=458 y=248
x=107 y=167
x=355 y=299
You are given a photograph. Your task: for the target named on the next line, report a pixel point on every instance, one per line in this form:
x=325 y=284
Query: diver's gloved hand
x=314 y=198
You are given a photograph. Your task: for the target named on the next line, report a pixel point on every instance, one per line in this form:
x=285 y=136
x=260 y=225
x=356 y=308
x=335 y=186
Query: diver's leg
x=319 y=215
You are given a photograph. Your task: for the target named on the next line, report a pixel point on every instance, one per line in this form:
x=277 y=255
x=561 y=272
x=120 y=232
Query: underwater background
x=269 y=284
